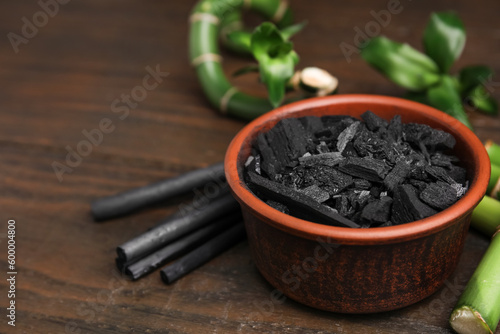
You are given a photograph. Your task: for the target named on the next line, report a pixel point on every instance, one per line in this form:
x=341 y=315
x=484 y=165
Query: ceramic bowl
x=358 y=270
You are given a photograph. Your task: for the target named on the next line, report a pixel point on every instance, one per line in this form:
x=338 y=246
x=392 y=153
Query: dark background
x=63 y=81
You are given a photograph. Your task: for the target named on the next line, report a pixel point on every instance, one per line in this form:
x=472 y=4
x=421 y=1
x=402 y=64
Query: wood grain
x=64 y=81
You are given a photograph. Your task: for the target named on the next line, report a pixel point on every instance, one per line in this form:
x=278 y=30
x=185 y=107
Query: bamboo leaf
x=289 y=31
x=401 y=63
x=265 y=37
x=444 y=39
x=241 y=39
x=275 y=73
x=276 y=59
x=482 y=100
x=472 y=76
x=444 y=96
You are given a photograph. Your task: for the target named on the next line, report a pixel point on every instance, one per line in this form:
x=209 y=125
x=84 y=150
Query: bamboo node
x=206 y=17
x=206 y=57
x=280 y=11
x=224 y=101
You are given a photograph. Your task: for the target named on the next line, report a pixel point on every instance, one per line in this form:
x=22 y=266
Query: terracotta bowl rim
x=371 y=236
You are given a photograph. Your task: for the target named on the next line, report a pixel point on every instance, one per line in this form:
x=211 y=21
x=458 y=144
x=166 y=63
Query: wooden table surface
x=62 y=82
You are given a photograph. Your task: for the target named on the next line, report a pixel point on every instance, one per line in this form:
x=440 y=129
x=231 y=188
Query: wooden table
x=63 y=82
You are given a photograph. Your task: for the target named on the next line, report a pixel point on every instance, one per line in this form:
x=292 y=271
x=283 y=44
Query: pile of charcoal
x=342 y=171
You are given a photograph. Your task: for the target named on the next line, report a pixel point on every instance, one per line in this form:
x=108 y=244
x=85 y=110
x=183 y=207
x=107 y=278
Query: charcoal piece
x=373 y=122
x=407 y=207
x=375 y=192
x=439 y=195
x=350 y=151
x=439 y=173
x=324 y=134
x=343 y=206
x=322 y=148
x=418 y=171
x=398 y=174
x=298 y=203
x=316 y=193
x=326 y=159
x=278 y=206
x=269 y=163
x=358 y=199
x=441 y=139
x=277 y=141
x=443 y=160
x=368 y=143
x=346 y=136
x=327 y=178
x=416 y=133
x=458 y=174
x=299 y=140
x=312 y=124
x=362 y=184
x=377 y=212
x=253 y=164
x=419 y=184
x=366 y=168
x=395 y=129
x=460 y=189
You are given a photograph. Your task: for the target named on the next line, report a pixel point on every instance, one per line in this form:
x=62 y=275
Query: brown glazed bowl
x=358 y=270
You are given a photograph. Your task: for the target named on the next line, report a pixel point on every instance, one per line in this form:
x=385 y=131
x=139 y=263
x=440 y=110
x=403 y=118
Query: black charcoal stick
x=203 y=254
x=180 y=247
x=175 y=226
x=135 y=199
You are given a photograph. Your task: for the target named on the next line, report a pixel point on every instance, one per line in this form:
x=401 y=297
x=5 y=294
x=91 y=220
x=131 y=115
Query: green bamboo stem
x=205 y=56
x=493 y=151
x=478 y=309
x=486 y=216
x=493 y=189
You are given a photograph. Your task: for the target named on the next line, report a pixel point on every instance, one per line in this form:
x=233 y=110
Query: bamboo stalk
x=478 y=309
x=205 y=56
x=486 y=216
x=493 y=151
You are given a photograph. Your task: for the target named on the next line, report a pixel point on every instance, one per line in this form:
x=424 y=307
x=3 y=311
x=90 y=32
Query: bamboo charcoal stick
x=175 y=226
x=177 y=248
x=203 y=254
x=135 y=199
